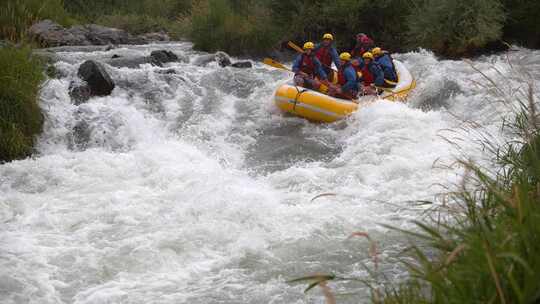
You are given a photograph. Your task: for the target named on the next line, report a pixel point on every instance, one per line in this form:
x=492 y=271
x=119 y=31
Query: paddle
x=271 y=62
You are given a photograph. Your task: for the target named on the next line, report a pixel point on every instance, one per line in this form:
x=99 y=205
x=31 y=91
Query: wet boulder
x=223 y=59
x=163 y=56
x=97 y=78
x=129 y=62
x=242 y=65
x=79 y=93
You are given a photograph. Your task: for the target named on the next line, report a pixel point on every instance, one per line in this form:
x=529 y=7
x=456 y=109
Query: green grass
x=20 y=116
x=16 y=16
x=483 y=244
x=487 y=251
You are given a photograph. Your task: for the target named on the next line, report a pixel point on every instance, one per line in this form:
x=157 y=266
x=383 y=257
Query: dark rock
x=163 y=56
x=132 y=62
x=168 y=72
x=242 y=64
x=81 y=135
x=158 y=36
x=48 y=33
x=222 y=59
x=79 y=93
x=99 y=82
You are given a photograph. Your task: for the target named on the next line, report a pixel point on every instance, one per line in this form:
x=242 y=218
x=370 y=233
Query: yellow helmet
x=376 y=51
x=328 y=36
x=367 y=55
x=345 y=56
x=309 y=45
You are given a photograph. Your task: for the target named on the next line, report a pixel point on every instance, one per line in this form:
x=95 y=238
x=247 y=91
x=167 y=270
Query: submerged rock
x=128 y=62
x=163 y=56
x=97 y=78
x=242 y=64
x=223 y=59
x=79 y=93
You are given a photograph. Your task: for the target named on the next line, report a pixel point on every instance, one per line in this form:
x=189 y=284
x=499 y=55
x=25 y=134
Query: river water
x=192 y=188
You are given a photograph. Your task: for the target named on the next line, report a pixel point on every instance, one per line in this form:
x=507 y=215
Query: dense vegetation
x=20 y=116
x=449 y=28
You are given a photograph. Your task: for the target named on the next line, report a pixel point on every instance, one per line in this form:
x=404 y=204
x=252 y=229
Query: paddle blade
x=271 y=62
x=295 y=47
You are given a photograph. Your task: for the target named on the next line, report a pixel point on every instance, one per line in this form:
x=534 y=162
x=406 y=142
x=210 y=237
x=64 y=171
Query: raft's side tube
x=405 y=85
x=312 y=105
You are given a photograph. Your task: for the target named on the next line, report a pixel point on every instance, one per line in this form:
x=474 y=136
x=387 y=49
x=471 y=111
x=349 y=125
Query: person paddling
x=347 y=79
x=384 y=59
x=372 y=73
x=307 y=68
x=326 y=53
x=363 y=44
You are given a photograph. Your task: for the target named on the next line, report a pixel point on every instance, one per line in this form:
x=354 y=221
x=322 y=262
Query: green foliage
x=20 y=116
x=140 y=24
x=522 y=23
x=455 y=28
x=17 y=15
x=487 y=252
x=214 y=25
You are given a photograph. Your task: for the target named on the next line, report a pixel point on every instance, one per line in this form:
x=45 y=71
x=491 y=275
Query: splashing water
x=190 y=187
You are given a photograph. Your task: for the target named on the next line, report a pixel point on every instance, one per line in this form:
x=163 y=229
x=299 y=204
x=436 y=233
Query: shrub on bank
x=488 y=251
x=16 y=16
x=217 y=25
x=140 y=24
x=455 y=28
x=522 y=24
x=20 y=116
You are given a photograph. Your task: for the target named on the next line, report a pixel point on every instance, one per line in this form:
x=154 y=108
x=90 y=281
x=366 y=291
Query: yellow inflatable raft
x=319 y=107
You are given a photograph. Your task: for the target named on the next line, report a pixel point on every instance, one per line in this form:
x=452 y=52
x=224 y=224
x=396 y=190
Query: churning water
x=190 y=187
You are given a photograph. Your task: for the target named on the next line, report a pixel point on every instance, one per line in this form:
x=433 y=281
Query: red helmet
x=364 y=39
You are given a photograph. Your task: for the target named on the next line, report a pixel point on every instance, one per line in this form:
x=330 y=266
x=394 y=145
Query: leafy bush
x=17 y=15
x=140 y=24
x=522 y=23
x=214 y=25
x=454 y=28
x=20 y=116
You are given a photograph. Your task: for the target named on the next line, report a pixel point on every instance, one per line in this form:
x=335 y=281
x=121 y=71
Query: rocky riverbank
x=50 y=34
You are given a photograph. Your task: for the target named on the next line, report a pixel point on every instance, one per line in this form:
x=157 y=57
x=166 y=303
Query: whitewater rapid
x=191 y=187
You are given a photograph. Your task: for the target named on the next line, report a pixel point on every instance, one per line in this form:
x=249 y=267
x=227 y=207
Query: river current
x=191 y=187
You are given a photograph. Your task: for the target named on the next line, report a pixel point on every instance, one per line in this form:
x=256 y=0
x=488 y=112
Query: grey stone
x=129 y=62
x=222 y=59
x=99 y=81
x=163 y=56
x=79 y=93
x=50 y=34
x=242 y=64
